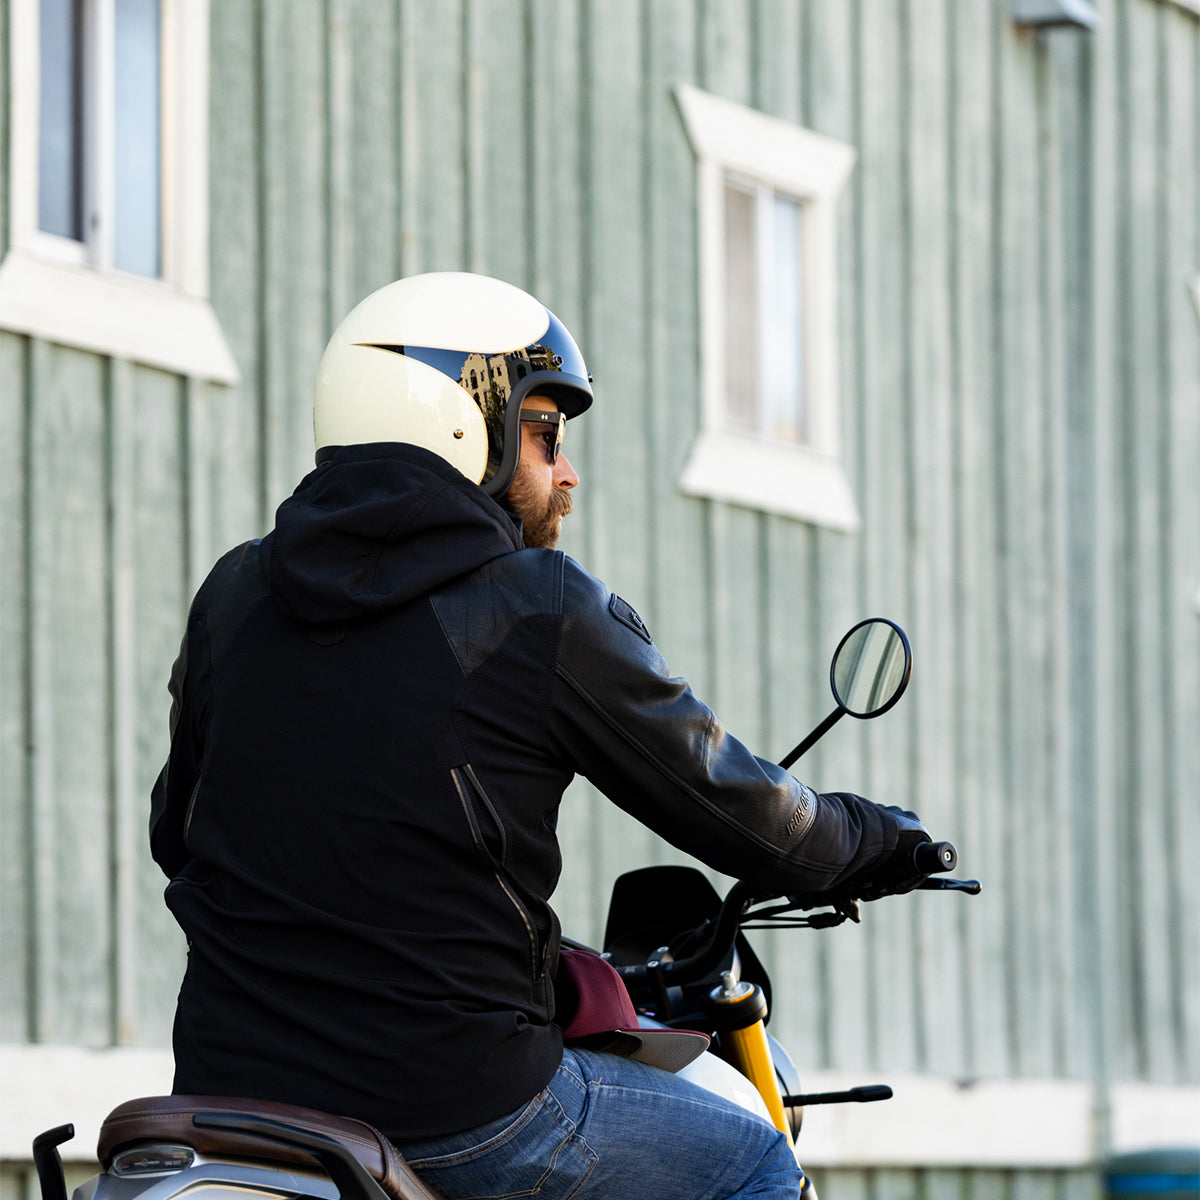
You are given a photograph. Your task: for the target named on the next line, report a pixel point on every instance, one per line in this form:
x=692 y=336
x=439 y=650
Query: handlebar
x=932 y=858
x=707 y=958
x=928 y=858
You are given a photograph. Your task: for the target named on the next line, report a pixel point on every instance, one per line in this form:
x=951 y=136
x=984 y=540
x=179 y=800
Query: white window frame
x=49 y=290
x=806 y=482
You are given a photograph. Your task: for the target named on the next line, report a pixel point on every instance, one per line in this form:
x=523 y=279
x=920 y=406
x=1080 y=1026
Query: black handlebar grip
x=931 y=858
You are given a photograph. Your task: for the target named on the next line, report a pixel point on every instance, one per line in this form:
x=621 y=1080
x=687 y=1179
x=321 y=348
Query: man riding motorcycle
x=376 y=710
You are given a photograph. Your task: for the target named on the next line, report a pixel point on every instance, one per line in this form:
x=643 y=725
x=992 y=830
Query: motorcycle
x=680 y=949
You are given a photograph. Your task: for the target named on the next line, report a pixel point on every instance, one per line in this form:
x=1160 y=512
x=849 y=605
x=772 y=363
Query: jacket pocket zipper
x=467 y=784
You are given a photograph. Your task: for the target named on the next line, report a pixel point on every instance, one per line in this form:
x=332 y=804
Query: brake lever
x=971 y=886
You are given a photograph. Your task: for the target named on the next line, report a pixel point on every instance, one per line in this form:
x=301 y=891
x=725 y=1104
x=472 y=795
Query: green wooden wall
x=1020 y=362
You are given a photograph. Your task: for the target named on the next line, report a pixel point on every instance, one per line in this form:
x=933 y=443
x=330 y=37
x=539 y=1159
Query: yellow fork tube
x=749 y=1052
x=739 y=1010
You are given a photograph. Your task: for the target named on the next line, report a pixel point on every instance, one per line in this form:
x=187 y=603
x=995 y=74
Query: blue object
x=1164 y=1174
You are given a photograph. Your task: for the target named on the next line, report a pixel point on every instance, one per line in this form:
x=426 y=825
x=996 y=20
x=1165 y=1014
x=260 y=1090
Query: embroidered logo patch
x=624 y=612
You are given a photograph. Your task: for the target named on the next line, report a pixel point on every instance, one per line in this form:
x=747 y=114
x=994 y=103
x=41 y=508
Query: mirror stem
x=818 y=733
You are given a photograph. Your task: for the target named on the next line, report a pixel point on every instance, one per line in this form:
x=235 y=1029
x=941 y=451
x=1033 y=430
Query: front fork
x=739 y=1011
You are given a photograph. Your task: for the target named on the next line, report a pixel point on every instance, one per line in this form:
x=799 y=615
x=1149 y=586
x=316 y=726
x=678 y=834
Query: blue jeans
x=609 y=1127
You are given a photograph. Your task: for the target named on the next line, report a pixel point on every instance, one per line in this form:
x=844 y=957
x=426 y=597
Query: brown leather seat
x=169 y=1119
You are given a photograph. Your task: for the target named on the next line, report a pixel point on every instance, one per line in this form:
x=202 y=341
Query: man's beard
x=542 y=527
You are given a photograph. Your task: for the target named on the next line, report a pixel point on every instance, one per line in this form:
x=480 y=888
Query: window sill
x=109 y=313
x=790 y=481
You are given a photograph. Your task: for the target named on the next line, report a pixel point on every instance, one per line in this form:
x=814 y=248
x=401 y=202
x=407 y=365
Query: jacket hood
x=376 y=527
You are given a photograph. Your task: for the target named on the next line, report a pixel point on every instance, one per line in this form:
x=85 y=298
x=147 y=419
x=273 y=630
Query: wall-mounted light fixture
x=1056 y=12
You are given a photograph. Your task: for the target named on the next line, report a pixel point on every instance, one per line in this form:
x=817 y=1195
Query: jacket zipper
x=466 y=783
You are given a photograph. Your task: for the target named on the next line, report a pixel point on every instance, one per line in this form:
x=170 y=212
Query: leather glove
x=895 y=874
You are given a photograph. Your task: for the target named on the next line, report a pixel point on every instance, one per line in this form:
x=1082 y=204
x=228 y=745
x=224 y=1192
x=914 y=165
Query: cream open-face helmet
x=443 y=361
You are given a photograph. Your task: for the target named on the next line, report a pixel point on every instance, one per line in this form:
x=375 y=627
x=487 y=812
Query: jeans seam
x=592 y=1158
x=473 y=1152
x=573 y=1135
x=567 y=1071
x=561 y=1122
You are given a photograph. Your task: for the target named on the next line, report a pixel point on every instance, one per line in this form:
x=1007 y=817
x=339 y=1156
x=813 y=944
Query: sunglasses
x=553 y=424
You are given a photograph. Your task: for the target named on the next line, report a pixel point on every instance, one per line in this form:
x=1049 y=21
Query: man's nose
x=564 y=473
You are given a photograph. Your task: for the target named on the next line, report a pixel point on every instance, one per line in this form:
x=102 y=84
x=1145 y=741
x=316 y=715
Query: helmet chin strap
x=504 y=498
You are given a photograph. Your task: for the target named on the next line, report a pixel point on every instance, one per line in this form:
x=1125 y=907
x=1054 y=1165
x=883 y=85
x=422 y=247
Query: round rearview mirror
x=870 y=668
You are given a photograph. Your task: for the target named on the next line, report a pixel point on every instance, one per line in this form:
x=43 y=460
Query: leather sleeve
x=656 y=750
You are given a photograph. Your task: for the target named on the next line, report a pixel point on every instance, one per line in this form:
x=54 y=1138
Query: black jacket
x=376 y=711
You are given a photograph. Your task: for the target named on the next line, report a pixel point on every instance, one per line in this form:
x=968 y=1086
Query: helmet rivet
x=458 y=433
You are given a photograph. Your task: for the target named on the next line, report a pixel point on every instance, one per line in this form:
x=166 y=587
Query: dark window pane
x=137 y=152
x=60 y=120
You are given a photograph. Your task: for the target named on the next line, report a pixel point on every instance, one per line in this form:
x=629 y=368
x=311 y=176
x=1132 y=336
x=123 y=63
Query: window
x=99 y=64
x=60 y=137
x=769 y=433
x=108 y=246
x=764 y=322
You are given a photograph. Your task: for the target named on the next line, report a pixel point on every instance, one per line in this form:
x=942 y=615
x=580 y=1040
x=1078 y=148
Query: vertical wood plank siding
x=1020 y=373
